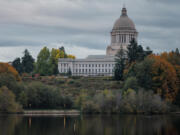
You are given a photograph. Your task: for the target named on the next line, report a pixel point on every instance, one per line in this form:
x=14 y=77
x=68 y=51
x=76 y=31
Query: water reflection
x=89 y=125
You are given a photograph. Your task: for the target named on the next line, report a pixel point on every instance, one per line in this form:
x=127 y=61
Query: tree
x=142 y=71
x=18 y=65
x=69 y=73
x=164 y=78
x=120 y=65
x=62 y=52
x=27 y=62
x=71 y=56
x=53 y=61
x=132 y=83
x=42 y=65
x=6 y=68
x=135 y=52
x=177 y=51
x=7 y=101
x=157 y=74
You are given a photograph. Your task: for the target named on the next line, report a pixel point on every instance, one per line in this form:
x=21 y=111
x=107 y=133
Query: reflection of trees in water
x=8 y=124
x=127 y=125
x=90 y=125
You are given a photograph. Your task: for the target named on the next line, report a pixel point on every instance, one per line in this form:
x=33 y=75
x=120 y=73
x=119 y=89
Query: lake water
x=90 y=125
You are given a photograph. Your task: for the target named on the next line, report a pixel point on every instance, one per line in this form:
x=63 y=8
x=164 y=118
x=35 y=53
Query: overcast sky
x=83 y=26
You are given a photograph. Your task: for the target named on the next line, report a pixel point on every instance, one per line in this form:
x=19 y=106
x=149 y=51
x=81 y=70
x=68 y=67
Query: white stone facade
x=100 y=65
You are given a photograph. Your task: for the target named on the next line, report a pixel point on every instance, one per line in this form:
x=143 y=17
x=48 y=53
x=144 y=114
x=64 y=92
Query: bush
x=59 y=81
x=131 y=82
x=142 y=102
x=43 y=96
x=7 y=101
x=10 y=82
x=68 y=103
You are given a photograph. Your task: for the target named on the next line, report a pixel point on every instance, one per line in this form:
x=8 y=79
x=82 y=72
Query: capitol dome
x=124 y=22
x=123 y=32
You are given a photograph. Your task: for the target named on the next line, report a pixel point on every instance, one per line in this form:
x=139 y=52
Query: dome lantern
x=124 y=12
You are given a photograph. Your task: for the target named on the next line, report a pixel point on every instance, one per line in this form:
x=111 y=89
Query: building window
x=102 y=65
x=89 y=70
x=92 y=65
x=99 y=65
x=89 y=65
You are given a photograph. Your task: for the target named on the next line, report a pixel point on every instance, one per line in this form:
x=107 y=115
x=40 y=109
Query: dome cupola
x=123 y=32
x=124 y=22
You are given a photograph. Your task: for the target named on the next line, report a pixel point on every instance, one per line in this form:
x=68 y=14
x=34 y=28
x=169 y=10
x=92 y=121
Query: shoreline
x=51 y=112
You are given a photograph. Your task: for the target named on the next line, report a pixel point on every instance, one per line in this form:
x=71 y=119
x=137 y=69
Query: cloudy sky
x=83 y=26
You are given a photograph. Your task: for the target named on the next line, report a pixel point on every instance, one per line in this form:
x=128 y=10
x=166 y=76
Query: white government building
x=103 y=65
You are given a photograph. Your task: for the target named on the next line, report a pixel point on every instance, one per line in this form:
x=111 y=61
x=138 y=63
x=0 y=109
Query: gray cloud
x=86 y=24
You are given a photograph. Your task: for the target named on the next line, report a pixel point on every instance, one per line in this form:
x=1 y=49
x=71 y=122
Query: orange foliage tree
x=164 y=77
x=6 y=68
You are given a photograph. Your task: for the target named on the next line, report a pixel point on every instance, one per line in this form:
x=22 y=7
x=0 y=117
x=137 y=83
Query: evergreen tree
x=27 y=62
x=69 y=73
x=18 y=65
x=135 y=52
x=120 y=65
x=177 y=51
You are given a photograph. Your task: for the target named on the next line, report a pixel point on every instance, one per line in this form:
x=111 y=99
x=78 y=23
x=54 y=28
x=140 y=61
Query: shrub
x=142 y=102
x=7 y=101
x=43 y=96
x=131 y=82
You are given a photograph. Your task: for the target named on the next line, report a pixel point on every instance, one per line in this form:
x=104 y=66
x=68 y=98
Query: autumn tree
x=62 y=52
x=53 y=61
x=155 y=73
x=6 y=68
x=164 y=78
x=47 y=61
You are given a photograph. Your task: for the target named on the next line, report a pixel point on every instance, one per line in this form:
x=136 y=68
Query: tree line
x=46 y=64
x=141 y=69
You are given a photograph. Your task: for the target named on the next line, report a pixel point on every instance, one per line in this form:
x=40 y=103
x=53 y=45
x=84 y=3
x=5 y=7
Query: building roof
x=90 y=58
x=124 y=22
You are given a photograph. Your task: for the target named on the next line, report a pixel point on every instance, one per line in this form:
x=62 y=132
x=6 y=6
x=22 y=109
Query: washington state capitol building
x=103 y=65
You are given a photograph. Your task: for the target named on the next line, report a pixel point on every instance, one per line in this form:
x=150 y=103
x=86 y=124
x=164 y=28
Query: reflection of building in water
x=102 y=65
